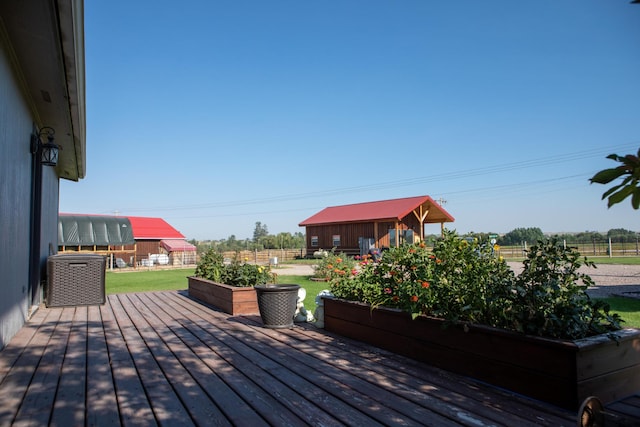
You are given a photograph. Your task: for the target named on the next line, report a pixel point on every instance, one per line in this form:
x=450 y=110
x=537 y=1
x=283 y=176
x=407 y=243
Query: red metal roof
x=177 y=245
x=153 y=229
x=393 y=210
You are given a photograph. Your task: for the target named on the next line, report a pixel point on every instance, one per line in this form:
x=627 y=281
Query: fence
x=267 y=256
x=593 y=248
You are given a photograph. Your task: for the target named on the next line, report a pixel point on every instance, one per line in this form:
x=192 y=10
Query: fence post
x=610 y=249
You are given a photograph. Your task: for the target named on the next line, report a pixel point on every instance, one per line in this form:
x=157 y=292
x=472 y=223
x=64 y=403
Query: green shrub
x=462 y=280
x=212 y=267
x=549 y=296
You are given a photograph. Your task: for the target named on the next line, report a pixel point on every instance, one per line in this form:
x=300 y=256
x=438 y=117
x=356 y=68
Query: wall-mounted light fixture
x=48 y=150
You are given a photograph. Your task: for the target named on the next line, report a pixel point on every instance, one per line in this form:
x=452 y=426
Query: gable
x=384 y=210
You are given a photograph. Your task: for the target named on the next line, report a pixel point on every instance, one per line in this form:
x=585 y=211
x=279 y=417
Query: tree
x=260 y=231
x=588 y=237
x=621 y=234
x=519 y=235
x=629 y=170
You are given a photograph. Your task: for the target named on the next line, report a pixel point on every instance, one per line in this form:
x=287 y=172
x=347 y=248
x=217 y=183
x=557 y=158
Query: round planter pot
x=277 y=304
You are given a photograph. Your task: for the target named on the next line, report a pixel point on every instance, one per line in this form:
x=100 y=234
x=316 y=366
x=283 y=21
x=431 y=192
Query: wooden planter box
x=233 y=300
x=560 y=372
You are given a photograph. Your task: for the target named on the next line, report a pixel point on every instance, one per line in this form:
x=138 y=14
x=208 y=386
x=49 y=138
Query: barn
x=125 y=240
x=355 y=229
x=155 y=236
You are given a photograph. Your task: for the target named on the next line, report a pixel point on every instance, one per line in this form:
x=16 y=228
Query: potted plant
x=461 y=308
x=277 y=304
x=228 y=286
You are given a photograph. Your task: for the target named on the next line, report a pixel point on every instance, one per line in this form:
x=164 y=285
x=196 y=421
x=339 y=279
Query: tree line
x=531 y=235
x=262 y=240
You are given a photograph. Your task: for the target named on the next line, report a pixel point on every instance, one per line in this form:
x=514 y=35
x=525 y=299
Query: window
x=314 y=241
x=405 y=237
x=336 y=240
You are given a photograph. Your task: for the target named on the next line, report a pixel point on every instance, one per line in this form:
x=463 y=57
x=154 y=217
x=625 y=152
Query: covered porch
x=163 y=358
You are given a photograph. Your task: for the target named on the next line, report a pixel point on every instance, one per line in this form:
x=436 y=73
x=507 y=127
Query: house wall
x=351 y=232
x=48 y=224
x=16 y=123
x=146 y=248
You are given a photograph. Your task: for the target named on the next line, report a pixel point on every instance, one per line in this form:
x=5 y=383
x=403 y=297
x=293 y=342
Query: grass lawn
x=144 y=281
x=626 y=260
x=628 y=309
x=312 y=288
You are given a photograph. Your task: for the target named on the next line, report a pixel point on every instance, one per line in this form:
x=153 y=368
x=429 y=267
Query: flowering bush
x=333 y=266
x=463 y=280
x=212 y=267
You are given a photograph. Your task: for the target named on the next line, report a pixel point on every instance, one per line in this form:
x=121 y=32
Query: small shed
x=355 y=229
x=180 y=252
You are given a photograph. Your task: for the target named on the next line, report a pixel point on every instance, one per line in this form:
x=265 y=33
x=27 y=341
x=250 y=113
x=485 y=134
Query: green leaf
x=620 y=195
x=607 y=175
x=611 y=190
x=635 y=200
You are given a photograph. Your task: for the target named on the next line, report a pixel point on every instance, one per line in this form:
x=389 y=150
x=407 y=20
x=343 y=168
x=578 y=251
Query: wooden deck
x=163 y=358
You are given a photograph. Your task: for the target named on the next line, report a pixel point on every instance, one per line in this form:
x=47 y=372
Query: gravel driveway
x=610 y=279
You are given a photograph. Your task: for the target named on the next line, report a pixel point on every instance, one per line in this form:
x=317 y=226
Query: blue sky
x=217 y=114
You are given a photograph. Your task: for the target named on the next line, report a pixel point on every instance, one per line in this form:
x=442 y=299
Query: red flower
x=425 y=285
x=395 y=298
x=414 y=298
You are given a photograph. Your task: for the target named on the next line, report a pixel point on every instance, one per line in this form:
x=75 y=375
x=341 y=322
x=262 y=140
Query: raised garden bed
x=560 y=372
x=233 y=300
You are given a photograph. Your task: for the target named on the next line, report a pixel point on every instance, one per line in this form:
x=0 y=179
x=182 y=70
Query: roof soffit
x=47 y=43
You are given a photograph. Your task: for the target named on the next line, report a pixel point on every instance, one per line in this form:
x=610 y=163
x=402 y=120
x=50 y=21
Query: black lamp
x=49 y=149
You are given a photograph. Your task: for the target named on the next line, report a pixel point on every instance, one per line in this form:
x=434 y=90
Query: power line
x=467 y=173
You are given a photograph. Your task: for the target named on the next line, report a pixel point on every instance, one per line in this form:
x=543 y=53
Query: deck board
x=164 y=358
x=102 y=410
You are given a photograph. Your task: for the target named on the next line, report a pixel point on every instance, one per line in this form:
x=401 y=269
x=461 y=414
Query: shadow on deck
x=163 y=358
